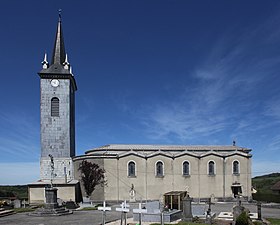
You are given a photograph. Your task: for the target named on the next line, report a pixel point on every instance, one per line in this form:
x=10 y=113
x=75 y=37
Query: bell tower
x=57 y=107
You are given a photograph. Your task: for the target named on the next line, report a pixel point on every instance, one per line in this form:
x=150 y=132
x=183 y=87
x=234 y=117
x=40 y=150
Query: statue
x=132 y=194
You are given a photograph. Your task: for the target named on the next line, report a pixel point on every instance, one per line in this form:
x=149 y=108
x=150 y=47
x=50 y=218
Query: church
x=204 y=171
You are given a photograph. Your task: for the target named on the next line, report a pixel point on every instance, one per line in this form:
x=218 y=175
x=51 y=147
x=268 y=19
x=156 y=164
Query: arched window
x=211 y=168
x=159 y=169
x=235 y=167
x=186 y=168
x=55 y=106
x=131 y=169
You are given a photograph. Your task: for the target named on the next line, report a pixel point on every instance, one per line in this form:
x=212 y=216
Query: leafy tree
x=92 y=175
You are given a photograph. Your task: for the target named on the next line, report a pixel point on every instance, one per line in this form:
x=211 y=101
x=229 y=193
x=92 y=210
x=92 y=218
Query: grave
x=17 y=203
x=104 y=208
x=155 y=214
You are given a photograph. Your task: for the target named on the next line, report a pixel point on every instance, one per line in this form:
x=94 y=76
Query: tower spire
x=59 y=48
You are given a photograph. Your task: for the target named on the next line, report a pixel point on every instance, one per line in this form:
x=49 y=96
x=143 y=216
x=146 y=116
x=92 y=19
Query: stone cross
x=104 y=209
x=140 y=211
x=208 y=214
x=124 y=209
x=52 y=169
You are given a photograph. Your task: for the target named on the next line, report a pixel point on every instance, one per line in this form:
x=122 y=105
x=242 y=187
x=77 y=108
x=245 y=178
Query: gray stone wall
x=59 y=171
x=57 y=133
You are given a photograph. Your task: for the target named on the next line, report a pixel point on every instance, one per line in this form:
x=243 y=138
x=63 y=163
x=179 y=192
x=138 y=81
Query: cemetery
x=180 y=209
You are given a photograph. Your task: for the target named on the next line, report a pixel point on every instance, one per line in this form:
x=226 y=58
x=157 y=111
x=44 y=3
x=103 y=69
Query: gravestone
x=199 y=211
x=187 y=208
x=17 y=203
x=237 y=210
x=153 y=207
x=259 y=206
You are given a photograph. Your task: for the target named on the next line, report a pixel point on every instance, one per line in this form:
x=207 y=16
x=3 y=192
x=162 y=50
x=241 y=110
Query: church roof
x=141 y=147
x=171 y=151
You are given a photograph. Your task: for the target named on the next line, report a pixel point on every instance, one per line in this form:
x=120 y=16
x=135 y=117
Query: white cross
x=140 y=210
x=104 y=208
x=124 y=207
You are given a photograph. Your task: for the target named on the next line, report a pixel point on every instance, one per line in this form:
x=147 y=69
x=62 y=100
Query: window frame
x=55 y=105
x=238 y=167
x=156 y=169
x=128 y=168
x=183 y=168
x=214 y=168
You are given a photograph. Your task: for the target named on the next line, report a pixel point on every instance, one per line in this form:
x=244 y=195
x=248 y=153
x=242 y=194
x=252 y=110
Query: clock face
x=55 y=83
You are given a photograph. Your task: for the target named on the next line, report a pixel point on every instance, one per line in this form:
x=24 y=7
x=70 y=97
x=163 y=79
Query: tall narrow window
x=235 y=167
x=211 y=168
x=131 y=169
x=186 y=168
x=159 y=169
x=55 y=106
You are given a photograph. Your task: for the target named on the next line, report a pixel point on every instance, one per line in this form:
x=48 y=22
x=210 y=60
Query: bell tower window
x=55 y=107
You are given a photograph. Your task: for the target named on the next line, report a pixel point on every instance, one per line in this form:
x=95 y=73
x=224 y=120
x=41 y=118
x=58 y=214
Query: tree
x=92 y=175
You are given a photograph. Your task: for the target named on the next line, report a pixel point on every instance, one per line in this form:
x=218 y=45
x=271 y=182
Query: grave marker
x=140 y=211
x=104 y=209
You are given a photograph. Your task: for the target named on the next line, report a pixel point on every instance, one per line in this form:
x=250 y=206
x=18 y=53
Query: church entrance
x=236 y=189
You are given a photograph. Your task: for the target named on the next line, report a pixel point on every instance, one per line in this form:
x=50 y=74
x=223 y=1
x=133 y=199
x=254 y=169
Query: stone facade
x=148 y=186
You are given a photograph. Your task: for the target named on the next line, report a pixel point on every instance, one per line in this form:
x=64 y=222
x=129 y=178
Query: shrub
x=242 y=219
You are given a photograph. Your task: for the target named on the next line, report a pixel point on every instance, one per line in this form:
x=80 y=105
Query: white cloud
x=19 y=173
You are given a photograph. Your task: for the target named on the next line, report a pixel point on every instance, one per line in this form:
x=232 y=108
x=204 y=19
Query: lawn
x=274 y=221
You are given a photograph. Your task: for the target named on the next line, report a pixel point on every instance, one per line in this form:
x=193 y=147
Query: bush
x=242 y=219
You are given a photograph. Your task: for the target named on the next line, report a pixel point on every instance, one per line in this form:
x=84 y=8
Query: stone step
x=6 y=212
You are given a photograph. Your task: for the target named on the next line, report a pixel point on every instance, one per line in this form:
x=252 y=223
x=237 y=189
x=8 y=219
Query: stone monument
x=51 y=207
x=187 y=208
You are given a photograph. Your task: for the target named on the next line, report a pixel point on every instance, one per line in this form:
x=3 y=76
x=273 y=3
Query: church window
x=211 y=168
x=159 y=169
x=131 y=169
x=55 y=107
x=186 y=168
x=235 y=167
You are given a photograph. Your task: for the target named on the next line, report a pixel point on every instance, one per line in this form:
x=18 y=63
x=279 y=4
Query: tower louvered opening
x=55 y=107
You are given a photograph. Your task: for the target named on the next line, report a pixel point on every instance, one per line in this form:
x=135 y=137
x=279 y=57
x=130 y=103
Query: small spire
x=45 y=62
x=66 y=64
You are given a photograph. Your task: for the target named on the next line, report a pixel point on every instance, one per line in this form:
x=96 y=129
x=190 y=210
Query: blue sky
x=148 y=72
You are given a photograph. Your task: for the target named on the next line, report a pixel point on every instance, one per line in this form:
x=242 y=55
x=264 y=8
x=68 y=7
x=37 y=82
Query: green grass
x=23 y=210
x=181 y=223
x=274 y=221
x=88 y=208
